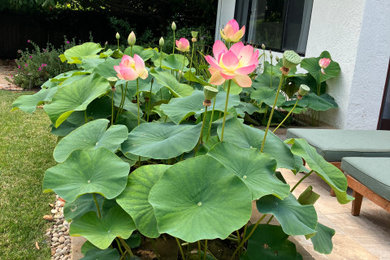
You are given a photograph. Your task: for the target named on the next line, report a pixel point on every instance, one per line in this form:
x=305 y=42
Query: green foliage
x=37 y=65
x=144 y=155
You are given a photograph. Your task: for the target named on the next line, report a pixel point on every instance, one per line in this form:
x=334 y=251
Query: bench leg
x=357 y=203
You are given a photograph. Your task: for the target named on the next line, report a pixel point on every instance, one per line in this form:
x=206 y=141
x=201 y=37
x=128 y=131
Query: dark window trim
x=384 y=124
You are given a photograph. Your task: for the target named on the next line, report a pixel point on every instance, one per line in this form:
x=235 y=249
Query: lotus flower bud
x=173 y=26
x=161 y=42
x=194 y=34
x=209 y=94
x=117 y=36
x=291 y=59
x=112 y=81
x=324 y=63
x=263 y=46
x=277 y=59
x=303 y=90
x=131 y=39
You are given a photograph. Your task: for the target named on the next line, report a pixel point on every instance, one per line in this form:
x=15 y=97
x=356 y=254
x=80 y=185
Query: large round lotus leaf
x=169 y=81
x=312 y=66
x=295 y=219
x=79 y=52
x=91 y=135
x=82 y=205
x=161 y=140
x=179 y=109
x=134 y=199
x=88 y=171
x=28 y=103
x=200 y=199
x=114 y=222
x=270 y=242
x=175 y=62
x=75 y=97
x=256 y=170
x=97 y=254
x=250 y=137
x=328 y=172
x=322 y=240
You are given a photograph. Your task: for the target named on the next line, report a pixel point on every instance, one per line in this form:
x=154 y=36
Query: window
x=279 y=24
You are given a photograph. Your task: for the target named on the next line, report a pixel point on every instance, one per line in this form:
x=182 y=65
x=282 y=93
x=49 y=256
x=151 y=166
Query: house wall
x=357 y=35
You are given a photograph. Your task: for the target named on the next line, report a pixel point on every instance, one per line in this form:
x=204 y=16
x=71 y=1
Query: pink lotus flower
x=232 y=31
x=324 y=63
x=183 y=45
x=131 y=68
x=234 y=64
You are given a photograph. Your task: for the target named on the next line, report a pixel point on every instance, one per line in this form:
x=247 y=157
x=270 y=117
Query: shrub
x=37 y=65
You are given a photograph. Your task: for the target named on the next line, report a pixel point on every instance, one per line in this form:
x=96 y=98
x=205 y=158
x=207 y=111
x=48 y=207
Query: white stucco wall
x=357 y=35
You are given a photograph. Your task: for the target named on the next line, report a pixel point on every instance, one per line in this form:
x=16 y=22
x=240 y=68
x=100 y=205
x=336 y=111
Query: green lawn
x=25 y=153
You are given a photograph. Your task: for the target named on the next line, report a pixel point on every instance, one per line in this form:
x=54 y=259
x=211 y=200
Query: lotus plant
x=324 y=63
x=232 y=32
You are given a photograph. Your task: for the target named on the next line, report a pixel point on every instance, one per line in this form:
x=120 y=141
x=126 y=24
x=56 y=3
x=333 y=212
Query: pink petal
x=219 y=48
x=229 y=31
x=246 y=54
x=212 y=62
x=117 y=69
x=216 y=78
x=243 y=81
x=233 y=23
x=126 y=60
x=246 y=70
x=128 y=73
x=229 y=59
x=144 y=74
x=139 y=64
x=236 y=48
x=227 y=76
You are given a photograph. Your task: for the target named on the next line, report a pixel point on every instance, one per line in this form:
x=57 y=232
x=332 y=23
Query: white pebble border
x=58 y=233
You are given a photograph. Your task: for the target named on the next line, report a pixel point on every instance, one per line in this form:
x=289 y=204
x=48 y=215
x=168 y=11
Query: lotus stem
x=299 y=182
x=174 y=38
x=289 y=113
x=150 y=101
x=182 y=67
x=249 y=235
x=112 y=108
x=161 y=54
x=121 y=104
x=225 y=111
x=138 y=118
x=211 y=120
x=126 y=246
x=269 y=220
x=272 y=113
x=119 y=246
x=203 y=123
x=205 y=250
x=192 y=54
x=180 y=248
x=97 y=205
x=199 y=249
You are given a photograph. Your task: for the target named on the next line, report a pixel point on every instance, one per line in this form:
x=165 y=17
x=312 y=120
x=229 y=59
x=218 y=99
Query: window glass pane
x=279 y=24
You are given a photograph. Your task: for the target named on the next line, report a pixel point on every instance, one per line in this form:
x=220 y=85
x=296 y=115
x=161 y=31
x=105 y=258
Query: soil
x=7 y=69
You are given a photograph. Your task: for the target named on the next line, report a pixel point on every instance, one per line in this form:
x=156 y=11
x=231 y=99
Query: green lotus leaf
x=264 y=81
x=74 y=121
x=318 y=103
x=270 y=242
x=179 y=109
x=322 y=239
x=250 y=137
x=267 y=95
x=161 y=140
x=91 y=135
x=256 y=170
x=75 y=97
x=134 y=199
x=295 y=219
x=64 y=76
x=199 y=198
x=87 y=171
x=190 y=76
x=89 y=64
x=308 y=197
x=97 y=254
x=82 y=205
x=175 y=62
x=86 y=50
x=327 y=171
x=169 y=81
x=106 y=68
x=131 y=91
x=312 y=66
x=29 y=103
x=115 y=222
x=248 y=108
